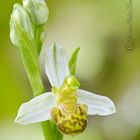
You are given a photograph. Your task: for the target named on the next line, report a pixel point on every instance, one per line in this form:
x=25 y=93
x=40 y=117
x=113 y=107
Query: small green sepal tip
x=72 y=82
x=72 y=61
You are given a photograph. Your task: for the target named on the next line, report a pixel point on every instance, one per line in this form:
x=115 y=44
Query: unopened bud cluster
x=25 y=18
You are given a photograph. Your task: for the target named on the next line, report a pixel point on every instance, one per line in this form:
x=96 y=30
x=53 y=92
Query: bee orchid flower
x=67 y=105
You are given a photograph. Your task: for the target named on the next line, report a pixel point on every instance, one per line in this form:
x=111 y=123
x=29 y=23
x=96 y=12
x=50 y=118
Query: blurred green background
x=105 y=66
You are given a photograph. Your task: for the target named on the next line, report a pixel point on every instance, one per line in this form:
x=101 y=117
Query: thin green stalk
x=50 y=130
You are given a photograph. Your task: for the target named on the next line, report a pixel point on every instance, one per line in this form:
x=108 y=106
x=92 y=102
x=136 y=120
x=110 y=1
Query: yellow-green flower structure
x=67 y=105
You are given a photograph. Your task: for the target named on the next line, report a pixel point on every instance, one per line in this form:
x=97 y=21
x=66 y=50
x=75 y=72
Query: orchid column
x=26 y=27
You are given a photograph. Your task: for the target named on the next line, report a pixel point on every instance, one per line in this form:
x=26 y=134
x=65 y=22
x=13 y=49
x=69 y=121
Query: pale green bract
x=66 y=105
x=22 y=35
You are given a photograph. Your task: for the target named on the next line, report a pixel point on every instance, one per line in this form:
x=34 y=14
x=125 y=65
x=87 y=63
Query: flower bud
x=38 y=11
x=20 y=20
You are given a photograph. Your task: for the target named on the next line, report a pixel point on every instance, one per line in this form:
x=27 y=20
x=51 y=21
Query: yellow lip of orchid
x=67 y=105
x=70 y=117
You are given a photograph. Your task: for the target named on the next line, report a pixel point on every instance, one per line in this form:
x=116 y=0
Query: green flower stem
x=31 y=63
x=50 y=130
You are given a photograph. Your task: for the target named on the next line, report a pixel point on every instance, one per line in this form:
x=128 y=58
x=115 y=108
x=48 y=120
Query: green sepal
x=72 y=61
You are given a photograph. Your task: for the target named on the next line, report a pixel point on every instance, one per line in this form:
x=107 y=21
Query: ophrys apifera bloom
x=67 y=105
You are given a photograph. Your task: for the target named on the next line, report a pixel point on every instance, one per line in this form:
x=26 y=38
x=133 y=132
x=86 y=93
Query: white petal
x=56 y=65
x=36 y=110
x=97 y=104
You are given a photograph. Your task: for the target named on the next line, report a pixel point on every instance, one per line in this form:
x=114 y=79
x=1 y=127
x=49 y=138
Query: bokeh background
x=105 y=66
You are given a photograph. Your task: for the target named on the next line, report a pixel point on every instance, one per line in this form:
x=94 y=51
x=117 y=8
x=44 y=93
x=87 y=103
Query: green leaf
x=72 y=61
